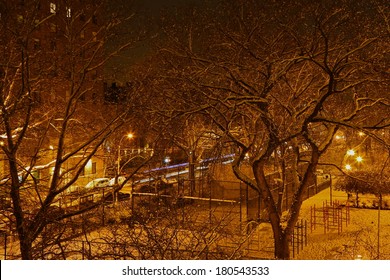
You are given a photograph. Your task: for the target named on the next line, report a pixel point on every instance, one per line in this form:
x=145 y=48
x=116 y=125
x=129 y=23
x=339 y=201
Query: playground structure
x=330 y=216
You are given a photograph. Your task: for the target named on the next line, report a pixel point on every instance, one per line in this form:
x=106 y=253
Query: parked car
x=73 y=189
x=121 y=180
x=97 y=183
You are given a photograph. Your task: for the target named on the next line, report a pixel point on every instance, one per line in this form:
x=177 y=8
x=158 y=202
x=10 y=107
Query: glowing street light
x=129 y=136
x=167 y=160
x=351 y=152
x=348 y=167
x=359 y=159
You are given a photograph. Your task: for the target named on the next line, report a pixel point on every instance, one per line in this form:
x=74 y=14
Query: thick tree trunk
x=281 y=239
x=26 y=248
x=25 y=243
x=281 y=245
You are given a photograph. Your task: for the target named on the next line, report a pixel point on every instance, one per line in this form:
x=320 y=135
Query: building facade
x=52 y=53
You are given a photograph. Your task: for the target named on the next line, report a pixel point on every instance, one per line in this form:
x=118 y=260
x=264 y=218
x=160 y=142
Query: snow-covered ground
x=357 y=240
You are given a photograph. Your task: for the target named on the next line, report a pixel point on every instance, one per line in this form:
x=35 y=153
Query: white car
x=97 y=183
x=72 y=189
x=121 y=179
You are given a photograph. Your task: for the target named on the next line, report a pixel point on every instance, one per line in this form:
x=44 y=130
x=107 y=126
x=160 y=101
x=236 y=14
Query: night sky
x=146 y=21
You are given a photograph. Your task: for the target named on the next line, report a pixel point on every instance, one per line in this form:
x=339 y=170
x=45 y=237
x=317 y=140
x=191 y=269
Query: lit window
x=53 y=8
x=37 y=23
x=53 y=27
x=68 y=12
x=36 y=174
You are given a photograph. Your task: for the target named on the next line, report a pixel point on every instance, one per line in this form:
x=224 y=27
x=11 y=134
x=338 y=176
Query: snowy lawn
x=357 y=240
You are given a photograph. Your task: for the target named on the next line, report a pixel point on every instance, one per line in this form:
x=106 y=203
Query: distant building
x=60 y=42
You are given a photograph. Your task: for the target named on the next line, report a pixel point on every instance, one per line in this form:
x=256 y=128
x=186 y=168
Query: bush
x=364 y=182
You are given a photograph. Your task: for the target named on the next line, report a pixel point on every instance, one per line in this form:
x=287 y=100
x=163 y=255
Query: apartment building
x=51 y=59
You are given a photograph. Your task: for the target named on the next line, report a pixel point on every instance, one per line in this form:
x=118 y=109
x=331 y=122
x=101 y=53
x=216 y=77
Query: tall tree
x=282 y=77
x=53 y=119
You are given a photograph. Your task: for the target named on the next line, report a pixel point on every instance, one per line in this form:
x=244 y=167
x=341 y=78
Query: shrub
x=365 y=182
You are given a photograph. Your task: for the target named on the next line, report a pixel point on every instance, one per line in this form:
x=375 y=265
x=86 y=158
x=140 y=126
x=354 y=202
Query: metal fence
x=230 y=204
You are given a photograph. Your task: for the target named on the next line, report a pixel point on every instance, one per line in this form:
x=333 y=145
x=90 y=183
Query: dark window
x=53 y=27
x=94 y=97
x=37 y=44
x=53 y=45
x=36 y=97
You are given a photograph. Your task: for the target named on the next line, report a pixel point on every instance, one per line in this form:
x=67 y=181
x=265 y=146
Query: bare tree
x=160 y=230
x=272 y=79
x=53 y=117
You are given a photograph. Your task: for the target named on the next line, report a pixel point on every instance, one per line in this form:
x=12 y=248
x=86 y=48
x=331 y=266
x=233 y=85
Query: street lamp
x=167 y=160
x=352 y=153
x=128 y=136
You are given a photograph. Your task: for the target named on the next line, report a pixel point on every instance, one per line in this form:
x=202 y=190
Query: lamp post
x=379 y=224
x=128 y=136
